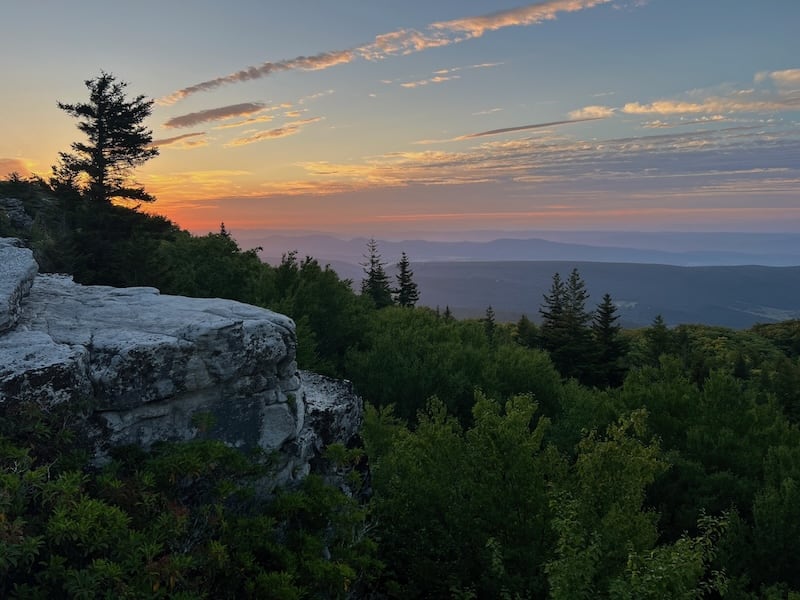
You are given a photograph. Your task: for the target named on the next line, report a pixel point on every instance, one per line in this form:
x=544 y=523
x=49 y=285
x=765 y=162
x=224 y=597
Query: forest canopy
x=558 y=457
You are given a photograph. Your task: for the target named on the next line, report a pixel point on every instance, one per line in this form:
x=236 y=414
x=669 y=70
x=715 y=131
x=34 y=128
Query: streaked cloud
x=696 y=164
x=719 y=104
x=592 y=112
x=712 y=106
x=710 y=176
x=215 y=114
x=246 y=122
x=312 y=97
x=185 y=142
x=525 y=127
x=434 y=79
x=399 y=42
x=442 y=75
x=525 y=15
x=271 y=134
x=477 y=66
x=316 y=62
x=682 y=122
x=487 y=111
x=501 y=131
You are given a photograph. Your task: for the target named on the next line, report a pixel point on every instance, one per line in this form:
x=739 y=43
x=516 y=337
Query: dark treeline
x=566 y=458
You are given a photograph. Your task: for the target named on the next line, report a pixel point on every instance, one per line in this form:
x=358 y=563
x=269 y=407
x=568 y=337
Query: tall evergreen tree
x=659 y=339
x=489 y=324
x=527 y=334
x=576 y=297
x=610 y=347
x=565 y=329
x=407 y=293
x=552 y=312
x=376 y=283
x=118 y=142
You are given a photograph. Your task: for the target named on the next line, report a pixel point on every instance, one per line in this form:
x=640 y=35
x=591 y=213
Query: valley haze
x=730 y=279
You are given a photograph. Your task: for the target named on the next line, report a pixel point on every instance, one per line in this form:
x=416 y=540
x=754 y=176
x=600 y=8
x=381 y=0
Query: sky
x=380 y=117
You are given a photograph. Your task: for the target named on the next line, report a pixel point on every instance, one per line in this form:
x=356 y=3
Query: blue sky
x=373 y=117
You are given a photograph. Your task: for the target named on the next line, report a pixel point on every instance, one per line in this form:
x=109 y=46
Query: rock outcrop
x=17 y=270
x=147 y=367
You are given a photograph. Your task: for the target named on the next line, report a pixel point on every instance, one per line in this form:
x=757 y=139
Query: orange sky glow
x=357 y=118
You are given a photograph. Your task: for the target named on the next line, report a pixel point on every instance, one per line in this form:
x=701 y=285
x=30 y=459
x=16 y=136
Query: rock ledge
x=155 y=367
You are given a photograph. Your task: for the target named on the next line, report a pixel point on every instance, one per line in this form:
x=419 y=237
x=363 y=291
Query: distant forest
x=564 y=458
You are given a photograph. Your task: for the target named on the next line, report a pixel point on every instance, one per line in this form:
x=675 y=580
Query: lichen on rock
x=155 y=367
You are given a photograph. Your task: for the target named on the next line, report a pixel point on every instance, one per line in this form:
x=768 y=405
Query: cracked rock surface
x=155 y=367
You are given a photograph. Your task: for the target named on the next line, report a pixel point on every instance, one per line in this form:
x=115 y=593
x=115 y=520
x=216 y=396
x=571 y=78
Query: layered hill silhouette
x=733 y=280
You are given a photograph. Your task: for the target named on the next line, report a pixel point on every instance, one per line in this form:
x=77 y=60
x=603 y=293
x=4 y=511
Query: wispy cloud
x=216 y=114
x=709 y=172
x=712 y=106
x=592 y=112
x=246 y=122
x=524 y=128
x=502 y=130
x=456 y=69
x=487 y=111
x=312 y=97
x=682 y=122
x=434 y=79
x=525 y=15
x=402 y=41
x=694 y=163
x=271 y=134
x=187 y=141
x=783 y=97
x=442 y=75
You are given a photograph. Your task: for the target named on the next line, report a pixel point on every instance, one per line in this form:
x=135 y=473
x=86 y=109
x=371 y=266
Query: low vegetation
x=566 y=459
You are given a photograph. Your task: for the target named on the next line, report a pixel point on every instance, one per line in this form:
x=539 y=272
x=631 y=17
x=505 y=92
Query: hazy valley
x=729 y=279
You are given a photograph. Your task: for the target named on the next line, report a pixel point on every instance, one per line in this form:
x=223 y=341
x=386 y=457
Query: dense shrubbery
x=658 y=463
x=179 y=522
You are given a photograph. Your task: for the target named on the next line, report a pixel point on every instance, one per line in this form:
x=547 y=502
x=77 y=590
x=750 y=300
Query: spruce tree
x=552 y=312
x=118 y=142
x=407 y=293
x=610 y=347
x=659 y=339
x=527 y=334
x=576 y=297
x=489 y=324
x=376 y=283
x=565 y=329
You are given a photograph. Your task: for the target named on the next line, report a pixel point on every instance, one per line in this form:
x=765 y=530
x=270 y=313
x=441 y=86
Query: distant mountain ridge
x=721 y=249
x=728 y=279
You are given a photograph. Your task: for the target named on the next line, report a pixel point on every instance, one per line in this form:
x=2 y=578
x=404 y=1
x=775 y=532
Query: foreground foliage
x=179 y=522
x=590 y=463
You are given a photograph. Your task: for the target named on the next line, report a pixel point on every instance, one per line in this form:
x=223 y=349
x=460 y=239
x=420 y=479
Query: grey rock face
x=17 y=270
x=154 y=367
